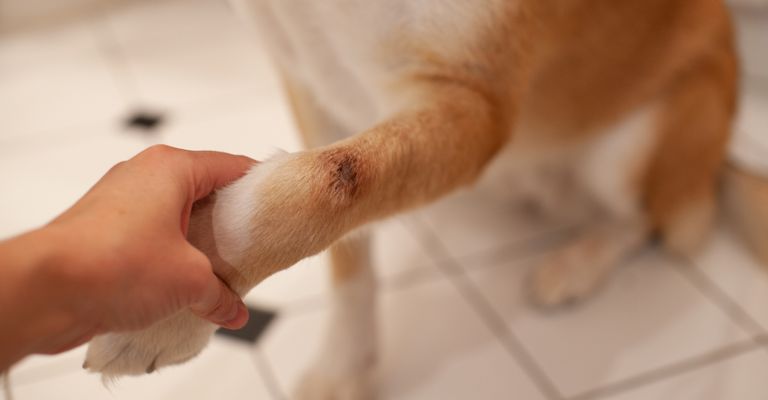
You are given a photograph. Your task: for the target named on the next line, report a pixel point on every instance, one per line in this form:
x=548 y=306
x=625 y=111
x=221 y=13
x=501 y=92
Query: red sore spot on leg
x=345 y=174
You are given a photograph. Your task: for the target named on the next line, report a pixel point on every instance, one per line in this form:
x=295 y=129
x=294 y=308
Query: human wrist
x=70 y=309
x=33 y=301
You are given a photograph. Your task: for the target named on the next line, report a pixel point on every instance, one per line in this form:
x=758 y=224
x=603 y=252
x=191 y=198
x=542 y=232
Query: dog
x=617 y=113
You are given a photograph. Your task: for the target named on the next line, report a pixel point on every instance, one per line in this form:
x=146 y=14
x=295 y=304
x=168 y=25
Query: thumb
x=220 y=305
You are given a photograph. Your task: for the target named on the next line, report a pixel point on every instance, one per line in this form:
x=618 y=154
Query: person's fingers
x=212 y=170
x=198 y=172
x=218 y=304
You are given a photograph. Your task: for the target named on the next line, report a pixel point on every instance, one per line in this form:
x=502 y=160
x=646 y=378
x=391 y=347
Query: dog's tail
x=746 y=207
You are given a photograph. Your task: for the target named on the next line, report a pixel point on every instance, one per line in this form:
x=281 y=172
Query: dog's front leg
x=295 y=205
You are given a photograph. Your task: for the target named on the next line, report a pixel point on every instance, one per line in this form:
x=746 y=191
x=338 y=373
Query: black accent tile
x=258 y=322
x=145 y=121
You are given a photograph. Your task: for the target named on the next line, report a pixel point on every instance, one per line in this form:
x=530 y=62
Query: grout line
x=409 y=279
x=266 y=372
x=52 y=137
x=417 y=275
x=456 y=274
x=519 y=250
x=531 y=247
x=35 y=139
x=690 y=270
x=763 y=341
x=670 y=371
x=112 y=53
x=317 y=302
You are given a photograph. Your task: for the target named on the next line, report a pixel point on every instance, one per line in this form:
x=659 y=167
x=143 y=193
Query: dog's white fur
x=333 y=47
x=345 y=367
x=236 y=207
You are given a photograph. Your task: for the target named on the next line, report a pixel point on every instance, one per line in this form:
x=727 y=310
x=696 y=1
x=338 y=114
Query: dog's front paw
x=171 y=341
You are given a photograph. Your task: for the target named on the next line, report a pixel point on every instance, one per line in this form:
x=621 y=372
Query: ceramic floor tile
x=397 y=257
x=471 y=224
x=729 y=266
x=304 y=284
x=252 y=125
x=434 y=347
x=36 y=368
x=52 y=79
x=179 y=52
x=225 y=370
x=648 y=316
x=741 y=377
x=40 y=183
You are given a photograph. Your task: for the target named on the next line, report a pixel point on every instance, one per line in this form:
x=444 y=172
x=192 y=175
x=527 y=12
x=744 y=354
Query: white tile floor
x=455 y=321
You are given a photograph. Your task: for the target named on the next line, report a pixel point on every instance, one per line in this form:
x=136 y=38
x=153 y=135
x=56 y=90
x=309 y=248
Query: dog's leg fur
x=346 y=365
x=682 y=182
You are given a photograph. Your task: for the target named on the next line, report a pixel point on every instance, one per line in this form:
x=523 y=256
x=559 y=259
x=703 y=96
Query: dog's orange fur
x=551 y=62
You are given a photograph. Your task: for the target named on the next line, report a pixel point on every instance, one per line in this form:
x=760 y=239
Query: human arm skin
x=118 y=259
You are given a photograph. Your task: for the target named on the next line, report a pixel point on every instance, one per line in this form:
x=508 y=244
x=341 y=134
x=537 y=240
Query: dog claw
x=151 y=367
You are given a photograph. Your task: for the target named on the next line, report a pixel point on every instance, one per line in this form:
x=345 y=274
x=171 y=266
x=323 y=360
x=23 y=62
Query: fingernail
x=239 y=319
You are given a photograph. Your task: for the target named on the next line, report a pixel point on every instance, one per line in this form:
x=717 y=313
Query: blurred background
x=87 y=83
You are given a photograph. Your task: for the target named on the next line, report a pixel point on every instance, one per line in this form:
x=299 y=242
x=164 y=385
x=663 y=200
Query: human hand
x=125 y=262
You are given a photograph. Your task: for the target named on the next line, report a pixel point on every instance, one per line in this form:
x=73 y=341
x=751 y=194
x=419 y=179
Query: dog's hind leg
x=681 y=186
x=609 y=173
x=676 y=185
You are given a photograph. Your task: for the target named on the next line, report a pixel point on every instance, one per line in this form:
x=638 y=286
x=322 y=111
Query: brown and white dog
x=626 y=104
